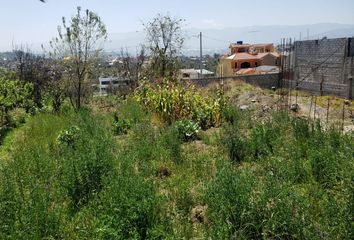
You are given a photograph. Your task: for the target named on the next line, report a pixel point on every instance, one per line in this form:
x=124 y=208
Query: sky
x=31 y=21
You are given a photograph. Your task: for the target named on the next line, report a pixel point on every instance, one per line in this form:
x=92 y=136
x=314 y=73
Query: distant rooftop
x=248 y=56
x=192 y=70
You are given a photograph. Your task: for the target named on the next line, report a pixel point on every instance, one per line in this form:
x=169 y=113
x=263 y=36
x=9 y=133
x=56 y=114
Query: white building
x=110 y=83
x=189 y=74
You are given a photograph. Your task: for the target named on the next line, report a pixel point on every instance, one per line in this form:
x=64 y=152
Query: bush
x=187 y=130
x=120 y=125
x=302 y=182
x=128 y=209
x=132 y=111
x=171 y=140
x=230 y=205
x=13 y=94
x=235 y=145
x=263 y=139
x=69 y=136
x=45 y=183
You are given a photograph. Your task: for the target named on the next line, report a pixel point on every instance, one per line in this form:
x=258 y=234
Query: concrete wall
x=324 y=61
x=341 y=90
x=261 y=80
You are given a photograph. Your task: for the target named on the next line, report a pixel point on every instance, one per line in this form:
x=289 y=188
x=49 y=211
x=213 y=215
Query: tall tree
x=80 y=42
x=165 y=40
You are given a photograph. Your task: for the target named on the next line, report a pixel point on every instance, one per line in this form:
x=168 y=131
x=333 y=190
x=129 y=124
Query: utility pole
x=300 y=36
x=201 y=54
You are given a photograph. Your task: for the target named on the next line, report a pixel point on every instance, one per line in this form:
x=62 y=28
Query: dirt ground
x=330 y=110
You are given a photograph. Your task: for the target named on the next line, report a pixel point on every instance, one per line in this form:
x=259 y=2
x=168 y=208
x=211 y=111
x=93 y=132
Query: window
x=105 y=82
x=245 y=65
x=186 y=75
x=236 y=65
x=256 y=64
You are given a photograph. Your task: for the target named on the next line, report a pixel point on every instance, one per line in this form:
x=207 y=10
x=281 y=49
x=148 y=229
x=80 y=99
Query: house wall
x=263 y=49
x=269 y=60
x=251 y=61
x=238 y=49
x=225 y=67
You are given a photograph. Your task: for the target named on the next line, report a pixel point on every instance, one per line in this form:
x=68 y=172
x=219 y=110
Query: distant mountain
x=218 y=40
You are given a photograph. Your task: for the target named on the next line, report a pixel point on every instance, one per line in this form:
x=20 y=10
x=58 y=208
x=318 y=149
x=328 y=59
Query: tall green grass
x=284 y=178
x=292 y=180
x=48 y=187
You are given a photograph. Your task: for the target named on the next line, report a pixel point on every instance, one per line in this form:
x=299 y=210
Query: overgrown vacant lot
x=124 y=173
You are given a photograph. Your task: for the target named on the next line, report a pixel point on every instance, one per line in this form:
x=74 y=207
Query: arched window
x=245 y=65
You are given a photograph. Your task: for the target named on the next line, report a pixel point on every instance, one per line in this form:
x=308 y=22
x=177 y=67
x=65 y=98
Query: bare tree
x=165 y=40
x=31 y=68
x=79 y=43
x=130 y=67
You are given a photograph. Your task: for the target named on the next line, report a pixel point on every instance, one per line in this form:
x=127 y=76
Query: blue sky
x=30 y=21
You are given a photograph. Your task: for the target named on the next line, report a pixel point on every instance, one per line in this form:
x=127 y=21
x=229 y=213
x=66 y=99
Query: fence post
x=321 y=86
x=314 y=111
x=343 y=115
x=350 y=87
x=327 y=110
x=310 y=107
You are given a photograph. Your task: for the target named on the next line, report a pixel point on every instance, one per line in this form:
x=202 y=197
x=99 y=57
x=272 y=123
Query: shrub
x=128 y=209
x=45 y=184
x=231 y=115
x=235 y=145
x=121 y=126
x=187 y=130
x=13 y=94
x=171 y=140
x=230 y=205
x=69 y=136
x=131 y=110
x=263 y=139
x=86 y=165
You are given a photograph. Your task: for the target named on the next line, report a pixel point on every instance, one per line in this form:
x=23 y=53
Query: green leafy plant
x=173 y=101
x=13 y=94
x=187 y=130
x=69 y=136
x=121 y=126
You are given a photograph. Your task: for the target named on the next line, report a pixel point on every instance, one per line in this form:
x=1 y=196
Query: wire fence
x=329 y=111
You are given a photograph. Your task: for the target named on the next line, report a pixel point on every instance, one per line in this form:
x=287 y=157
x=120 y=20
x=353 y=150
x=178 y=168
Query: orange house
x=251 y=48
x=244 y=56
